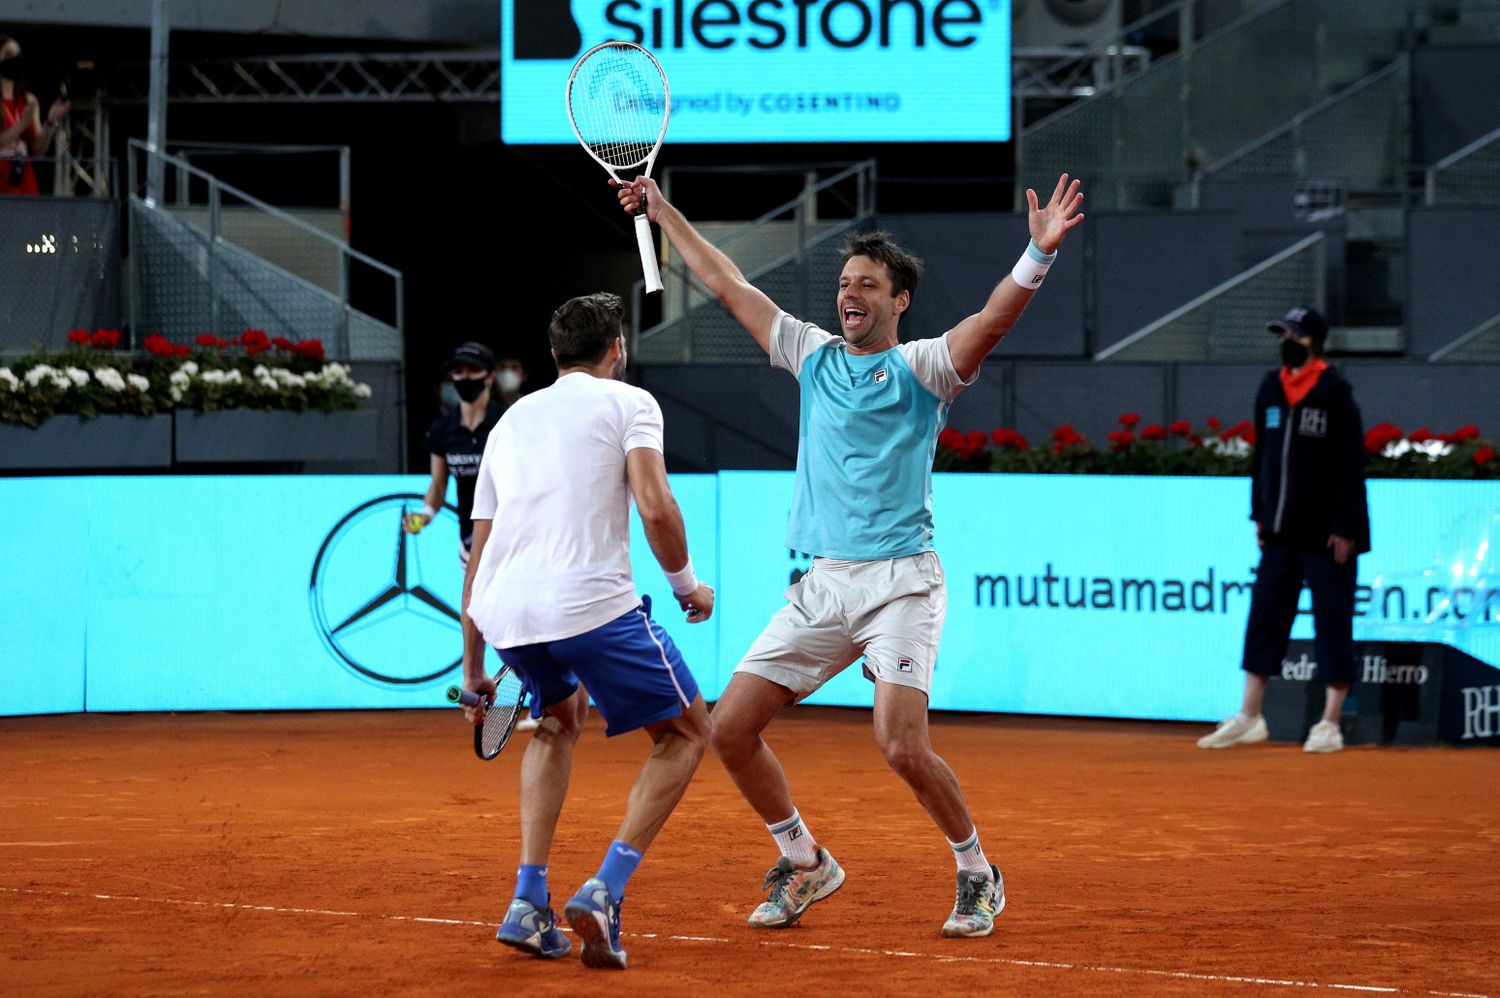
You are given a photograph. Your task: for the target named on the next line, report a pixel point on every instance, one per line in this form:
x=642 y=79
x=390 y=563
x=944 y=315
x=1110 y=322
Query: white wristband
x=684 y=582
x=1030 y=270
x=429 y=512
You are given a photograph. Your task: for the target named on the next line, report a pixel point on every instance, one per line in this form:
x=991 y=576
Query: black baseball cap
x=1302 y=321
x=475 y=354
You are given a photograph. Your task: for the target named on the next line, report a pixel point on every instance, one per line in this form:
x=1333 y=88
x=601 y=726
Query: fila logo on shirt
x=903 y=665
x=880 y=376
x=1314 y=423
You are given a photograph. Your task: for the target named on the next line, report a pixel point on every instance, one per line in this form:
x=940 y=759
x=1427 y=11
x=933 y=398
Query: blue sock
x=619 y=863
x=531 y=884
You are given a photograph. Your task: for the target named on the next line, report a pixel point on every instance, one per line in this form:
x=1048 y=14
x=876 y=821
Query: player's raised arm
x=973 y=338
x=745 y=301
x=665 y=531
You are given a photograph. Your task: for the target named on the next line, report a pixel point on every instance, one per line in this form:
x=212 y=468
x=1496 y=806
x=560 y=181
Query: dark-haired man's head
x=875 y=289
x=584 y=329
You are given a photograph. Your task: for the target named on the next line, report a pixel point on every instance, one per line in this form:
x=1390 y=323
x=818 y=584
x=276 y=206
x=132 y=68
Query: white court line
x=775 y=944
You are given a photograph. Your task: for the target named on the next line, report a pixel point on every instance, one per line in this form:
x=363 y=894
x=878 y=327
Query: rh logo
x=1481 y=711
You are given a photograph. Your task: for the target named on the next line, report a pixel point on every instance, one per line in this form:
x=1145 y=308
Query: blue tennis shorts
x=630 y=666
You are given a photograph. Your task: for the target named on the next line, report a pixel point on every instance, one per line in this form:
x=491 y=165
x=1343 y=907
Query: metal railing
x=1228 y=322
x=1139 y=143
x=1480 y=345
x=1469 y=176
x=1359 y=135
x=790 y=252
x=188 y=274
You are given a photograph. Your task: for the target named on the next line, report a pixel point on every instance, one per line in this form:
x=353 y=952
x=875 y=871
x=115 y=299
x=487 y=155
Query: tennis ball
x=414 y=522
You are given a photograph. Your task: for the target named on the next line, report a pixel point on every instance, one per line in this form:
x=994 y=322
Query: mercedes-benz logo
x=385 y=602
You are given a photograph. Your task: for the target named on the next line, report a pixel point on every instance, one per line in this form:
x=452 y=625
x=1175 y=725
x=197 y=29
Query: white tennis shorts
x=891 y=612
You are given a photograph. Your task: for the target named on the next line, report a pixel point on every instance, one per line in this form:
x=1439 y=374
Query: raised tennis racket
x=618 y=105
x=500 y=713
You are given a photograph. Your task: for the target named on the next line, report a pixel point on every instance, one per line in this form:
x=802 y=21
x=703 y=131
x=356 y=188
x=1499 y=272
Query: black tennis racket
x=500 y=713
x=618 y=105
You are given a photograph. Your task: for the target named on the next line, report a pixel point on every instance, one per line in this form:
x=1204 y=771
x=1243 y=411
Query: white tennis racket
x=618 y=105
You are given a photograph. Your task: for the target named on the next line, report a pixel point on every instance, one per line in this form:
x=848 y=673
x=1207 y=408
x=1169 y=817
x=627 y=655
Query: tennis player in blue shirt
x=872 y=408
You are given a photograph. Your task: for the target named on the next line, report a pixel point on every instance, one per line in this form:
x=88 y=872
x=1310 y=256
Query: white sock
x=970 y=855
x=794 y=840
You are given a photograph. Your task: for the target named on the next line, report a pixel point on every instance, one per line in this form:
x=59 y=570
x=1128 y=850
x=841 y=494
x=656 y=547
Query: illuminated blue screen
x=1066 y=595
x=775 y=70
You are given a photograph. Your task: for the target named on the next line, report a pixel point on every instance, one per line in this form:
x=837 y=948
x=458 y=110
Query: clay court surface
x=371 y=853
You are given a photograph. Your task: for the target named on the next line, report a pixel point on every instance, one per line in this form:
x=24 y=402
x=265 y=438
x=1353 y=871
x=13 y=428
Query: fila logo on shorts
x=903 y=665
x=880 y=376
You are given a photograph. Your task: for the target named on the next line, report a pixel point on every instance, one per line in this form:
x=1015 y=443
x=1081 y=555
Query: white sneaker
x=1325 y=736
x=1236 y=731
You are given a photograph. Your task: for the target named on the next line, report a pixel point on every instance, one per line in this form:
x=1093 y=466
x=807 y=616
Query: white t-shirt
x=557 y=562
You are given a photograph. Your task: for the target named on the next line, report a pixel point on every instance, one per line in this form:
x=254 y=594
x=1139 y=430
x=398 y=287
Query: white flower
x=1433 y=448
x=362 y=391
x=40 y=373
x=179 y=379
x=137 y=382
x=77 y=375
x=176 y=394
x=1234 y=447
x=1396 y=448
x=233 y=377
x=261 y=372
x=9 y=380
x=110 y=378
x=189 y=368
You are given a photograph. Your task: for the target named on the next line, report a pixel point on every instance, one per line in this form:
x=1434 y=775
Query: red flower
x=1213 y=423
x=281 y=343
x=105 y=339
x=1180 y=428
x=209 y=340
x=1420 y=436
x=255 y=341
x=1484 y=455
x=311 y=350
x=156 y=344
x=951 y=439
x=1153 y=431
x=1194 y=440
x=1466 y=432
x=1120 y=439
x=1249 y=435
x=1004 y=437
x=181 y=350
x=1129 y=419
x=1377 y=436
x=79 y=336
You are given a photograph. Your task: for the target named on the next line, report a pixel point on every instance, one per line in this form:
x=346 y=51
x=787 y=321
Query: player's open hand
x=1050 y=223
x=484 y=685
x=643 y=188
x=699 y=604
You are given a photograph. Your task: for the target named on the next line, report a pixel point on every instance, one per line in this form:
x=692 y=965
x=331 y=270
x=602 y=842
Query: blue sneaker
x=595 y=916
x=534 y=930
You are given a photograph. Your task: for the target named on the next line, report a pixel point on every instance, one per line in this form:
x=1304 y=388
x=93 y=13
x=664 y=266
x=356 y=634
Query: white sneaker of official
x=1238 y=730
x=1325 y=736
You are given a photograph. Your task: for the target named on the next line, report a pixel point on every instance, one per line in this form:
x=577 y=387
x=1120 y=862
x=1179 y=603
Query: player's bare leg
x=742 y=713
x=545 y=770
x=594 y=912
x=901 y=732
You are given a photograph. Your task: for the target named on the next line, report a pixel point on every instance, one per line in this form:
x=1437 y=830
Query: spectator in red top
x=23 y=133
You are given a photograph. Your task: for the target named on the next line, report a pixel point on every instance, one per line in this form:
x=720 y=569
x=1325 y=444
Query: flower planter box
x=237 y=435
x=72 y=442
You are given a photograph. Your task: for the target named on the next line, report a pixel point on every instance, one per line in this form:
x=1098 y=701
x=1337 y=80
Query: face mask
x=509 y=382
x=13 y=68
x=469 y=389
x=1293 y=354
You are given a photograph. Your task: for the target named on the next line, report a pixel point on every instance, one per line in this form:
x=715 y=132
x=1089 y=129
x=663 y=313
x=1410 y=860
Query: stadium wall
x=1120 y=597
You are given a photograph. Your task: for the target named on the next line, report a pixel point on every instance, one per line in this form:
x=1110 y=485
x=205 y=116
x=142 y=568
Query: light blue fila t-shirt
x=865 y=443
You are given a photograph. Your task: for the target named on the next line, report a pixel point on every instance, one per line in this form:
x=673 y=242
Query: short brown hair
x=905 y=269
x=583 y=327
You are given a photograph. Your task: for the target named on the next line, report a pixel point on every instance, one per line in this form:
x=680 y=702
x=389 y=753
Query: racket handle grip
x=647 y=245
x=462 y=696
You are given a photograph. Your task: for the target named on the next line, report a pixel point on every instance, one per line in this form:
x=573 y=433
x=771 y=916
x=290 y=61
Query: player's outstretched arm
x=973 y=338
x=745 y=301
x=665 y=531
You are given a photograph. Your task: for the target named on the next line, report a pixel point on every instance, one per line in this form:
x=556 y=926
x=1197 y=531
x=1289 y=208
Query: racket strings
x=618 y=100
x=500 y=717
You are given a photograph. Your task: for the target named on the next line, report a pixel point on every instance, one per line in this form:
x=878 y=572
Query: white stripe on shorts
x=682 y=697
